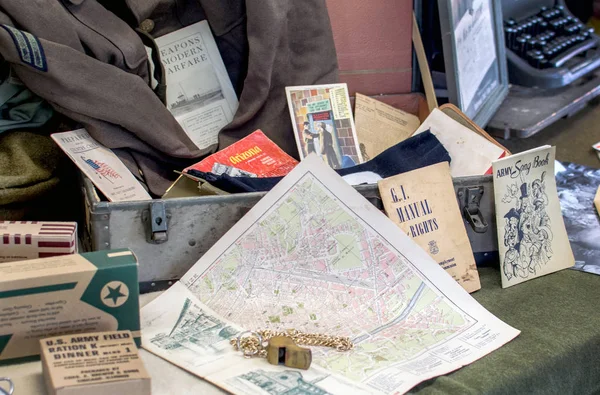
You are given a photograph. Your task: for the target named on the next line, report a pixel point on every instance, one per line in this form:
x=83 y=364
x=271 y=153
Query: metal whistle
x=283 y=350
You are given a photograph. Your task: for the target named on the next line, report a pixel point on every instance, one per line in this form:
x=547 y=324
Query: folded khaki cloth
x=28 y=165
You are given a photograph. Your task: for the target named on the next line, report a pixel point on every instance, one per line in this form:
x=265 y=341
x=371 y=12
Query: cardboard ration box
x=67 y=294
x=94 y=364
x=36 y=239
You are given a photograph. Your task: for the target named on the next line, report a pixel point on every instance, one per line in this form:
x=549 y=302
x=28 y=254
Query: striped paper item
x=21 y=240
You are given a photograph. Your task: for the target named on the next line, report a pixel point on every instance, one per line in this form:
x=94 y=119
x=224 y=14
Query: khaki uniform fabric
x=90 y=65
x=37 y=181
x=266 y=45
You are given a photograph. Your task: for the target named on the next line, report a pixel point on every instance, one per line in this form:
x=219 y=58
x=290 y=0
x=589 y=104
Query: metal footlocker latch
x=469 y=198
x=158 y=232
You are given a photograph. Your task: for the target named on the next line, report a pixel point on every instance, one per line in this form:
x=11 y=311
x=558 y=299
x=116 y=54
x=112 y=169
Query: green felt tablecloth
x=558 y=350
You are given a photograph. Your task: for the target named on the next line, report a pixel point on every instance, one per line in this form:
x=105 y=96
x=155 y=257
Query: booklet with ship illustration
x=199 y=92
x=423 y=204
x=253 y=156
x=322 y=121
x=532 y=239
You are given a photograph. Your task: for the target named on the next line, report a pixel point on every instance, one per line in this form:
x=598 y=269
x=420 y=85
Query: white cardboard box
x=94 y=364
x=22 y=240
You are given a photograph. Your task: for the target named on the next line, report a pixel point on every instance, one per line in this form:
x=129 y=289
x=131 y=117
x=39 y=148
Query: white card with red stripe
x=597 y=146
x=101 y=166
x=21 y=240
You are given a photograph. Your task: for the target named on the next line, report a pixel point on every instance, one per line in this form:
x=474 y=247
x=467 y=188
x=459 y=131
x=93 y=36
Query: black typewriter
x=548 y=47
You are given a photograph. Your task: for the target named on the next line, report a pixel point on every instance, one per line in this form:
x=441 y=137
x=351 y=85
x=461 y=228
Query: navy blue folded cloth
x=421 y=150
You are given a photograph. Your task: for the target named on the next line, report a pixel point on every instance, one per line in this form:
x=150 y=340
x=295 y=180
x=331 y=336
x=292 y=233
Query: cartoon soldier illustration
x=512 y=266
x=527 y=231
x=538 y=192
x=541 y=222
x=526 y=248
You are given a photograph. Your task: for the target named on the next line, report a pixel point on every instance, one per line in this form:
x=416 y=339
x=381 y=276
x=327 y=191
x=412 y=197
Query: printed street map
x=315 y=256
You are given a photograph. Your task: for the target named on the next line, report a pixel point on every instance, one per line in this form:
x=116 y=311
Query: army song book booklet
x=315 y=256
x=532 y=239
x=199 y=92
x=423 y=204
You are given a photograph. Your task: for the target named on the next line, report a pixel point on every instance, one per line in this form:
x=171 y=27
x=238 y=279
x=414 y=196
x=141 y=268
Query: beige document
x=380 y=126
x=422 y=203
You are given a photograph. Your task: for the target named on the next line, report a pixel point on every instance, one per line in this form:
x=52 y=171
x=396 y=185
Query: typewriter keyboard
x=549 y=39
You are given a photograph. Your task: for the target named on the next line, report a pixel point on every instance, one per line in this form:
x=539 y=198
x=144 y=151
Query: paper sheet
x=316 y=256
x=380 y=126
x=471 y=153
x=474 y=41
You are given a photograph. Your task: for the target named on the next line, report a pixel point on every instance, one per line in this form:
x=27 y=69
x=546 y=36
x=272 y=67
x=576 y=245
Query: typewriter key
x=520 y=44
x=511 y=34
x=540 y=44
x=527 y=38
x=537 y=59
x=532 y=43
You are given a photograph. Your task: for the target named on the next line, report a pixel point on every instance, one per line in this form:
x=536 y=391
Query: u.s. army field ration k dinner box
x=94 y=364
x=91 y=292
